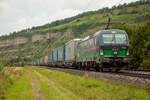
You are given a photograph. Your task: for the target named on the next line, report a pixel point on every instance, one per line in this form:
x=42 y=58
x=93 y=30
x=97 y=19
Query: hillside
x=38 y=41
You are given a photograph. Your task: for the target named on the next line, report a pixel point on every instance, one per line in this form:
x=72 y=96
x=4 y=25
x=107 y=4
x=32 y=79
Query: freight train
x=105 y=50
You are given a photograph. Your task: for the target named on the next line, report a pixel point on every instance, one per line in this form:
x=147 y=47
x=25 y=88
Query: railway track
x=140 y=74
x=124 y=76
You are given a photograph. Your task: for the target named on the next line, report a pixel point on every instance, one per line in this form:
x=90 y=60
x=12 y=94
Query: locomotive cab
x=113 y=48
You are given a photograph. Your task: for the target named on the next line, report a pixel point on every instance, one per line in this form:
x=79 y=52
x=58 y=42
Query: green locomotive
x=106 y=49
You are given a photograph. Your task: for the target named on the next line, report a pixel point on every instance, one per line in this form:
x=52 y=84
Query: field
x=31 y=83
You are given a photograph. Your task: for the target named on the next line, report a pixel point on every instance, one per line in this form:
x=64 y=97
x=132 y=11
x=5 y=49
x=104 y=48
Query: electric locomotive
x=105 y=50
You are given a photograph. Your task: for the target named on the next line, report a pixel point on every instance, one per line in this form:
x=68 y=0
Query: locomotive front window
x=120 y=39
x=114 y=39
x=108 y=38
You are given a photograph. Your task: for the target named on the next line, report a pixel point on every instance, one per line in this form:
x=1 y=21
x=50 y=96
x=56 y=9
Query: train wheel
x=97 y=67
x=80 y=64
x=75 y=66
x=110 y=70
x=117 y=70
x=87 y=68
x=101 y=67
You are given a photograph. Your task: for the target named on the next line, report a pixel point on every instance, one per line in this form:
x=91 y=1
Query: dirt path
x=35 y=86
x=57 y=91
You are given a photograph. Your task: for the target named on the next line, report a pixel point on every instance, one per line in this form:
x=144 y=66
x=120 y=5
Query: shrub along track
x=140 y=78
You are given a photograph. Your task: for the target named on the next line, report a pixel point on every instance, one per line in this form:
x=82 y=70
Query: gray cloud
x=19 y=14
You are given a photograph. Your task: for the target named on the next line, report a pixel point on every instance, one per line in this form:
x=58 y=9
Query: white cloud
x=19 y=14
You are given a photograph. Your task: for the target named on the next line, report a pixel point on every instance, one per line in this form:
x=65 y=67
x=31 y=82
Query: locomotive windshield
x=114 y=39
x=108 y=38
x=120 y=38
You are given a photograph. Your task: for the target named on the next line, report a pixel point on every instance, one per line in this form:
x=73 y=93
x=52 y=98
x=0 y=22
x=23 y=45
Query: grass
x=5 y=81
x=52 y=90
x=88 y=89
x=47 y=84
x=21 y=88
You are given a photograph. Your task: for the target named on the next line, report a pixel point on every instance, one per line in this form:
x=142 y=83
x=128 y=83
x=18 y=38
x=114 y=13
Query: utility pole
x=109 y=20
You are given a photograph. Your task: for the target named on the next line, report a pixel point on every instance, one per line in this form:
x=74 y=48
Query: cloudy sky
x=20 y=14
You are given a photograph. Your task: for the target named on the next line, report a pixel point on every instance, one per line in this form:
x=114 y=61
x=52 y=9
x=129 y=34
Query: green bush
x=145 y=64
x=139 y=38
x=1 y=67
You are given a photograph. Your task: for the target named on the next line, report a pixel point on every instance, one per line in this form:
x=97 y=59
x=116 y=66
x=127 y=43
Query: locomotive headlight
x=127 y=53
x=115 y=53
x=101 y=53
